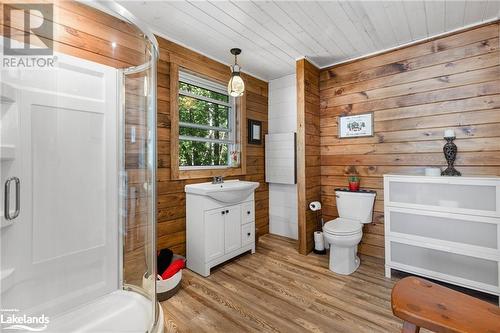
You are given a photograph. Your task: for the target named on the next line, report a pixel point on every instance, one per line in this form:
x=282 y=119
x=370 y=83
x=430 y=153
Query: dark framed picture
x=254 y=132
x=355 y=126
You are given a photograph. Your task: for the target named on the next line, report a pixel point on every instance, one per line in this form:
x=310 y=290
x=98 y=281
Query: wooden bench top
x=440 y=309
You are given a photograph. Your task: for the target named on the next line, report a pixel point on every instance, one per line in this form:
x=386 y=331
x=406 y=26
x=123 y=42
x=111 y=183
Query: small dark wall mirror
x=254 y=132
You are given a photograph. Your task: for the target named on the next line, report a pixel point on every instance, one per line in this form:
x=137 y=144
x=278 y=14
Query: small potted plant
x=353 y=183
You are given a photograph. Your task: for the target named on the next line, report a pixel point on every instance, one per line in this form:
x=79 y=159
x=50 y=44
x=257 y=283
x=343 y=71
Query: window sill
x=209 y=172
x=213 y=167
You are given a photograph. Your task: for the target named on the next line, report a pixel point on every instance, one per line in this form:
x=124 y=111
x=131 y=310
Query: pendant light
x=236 y=86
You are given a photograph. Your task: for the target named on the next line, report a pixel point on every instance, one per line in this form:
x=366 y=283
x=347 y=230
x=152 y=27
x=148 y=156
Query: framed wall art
x=254 y=132
x=355 y=126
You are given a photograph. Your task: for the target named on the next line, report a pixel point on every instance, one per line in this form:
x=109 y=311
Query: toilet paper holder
x=319 y=246
x=315 y=206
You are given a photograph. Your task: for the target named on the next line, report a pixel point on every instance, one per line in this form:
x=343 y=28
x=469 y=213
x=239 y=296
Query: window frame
x=239 y=117
x=198 y=81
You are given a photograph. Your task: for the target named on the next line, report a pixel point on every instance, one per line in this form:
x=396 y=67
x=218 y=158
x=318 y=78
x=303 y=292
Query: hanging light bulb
x=236 y=86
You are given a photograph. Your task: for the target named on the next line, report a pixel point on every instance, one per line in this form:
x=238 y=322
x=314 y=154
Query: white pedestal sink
x=220 y=223
x=230 y=191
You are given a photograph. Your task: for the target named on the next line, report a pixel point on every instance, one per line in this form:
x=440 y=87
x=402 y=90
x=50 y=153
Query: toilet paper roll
x=319 y=244
x=315 y=205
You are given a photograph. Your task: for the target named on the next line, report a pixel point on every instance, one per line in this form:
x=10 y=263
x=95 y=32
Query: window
x=207 y=123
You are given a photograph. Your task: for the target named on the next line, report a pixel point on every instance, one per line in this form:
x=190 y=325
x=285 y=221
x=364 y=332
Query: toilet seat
x=342 y=227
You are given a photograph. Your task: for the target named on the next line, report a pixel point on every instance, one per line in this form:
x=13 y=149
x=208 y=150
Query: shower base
x=117 y=312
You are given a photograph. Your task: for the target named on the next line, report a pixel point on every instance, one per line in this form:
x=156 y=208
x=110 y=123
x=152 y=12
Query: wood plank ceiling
x=273 y=35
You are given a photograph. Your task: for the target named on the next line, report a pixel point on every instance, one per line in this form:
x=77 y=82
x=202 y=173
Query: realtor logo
x=31 y=25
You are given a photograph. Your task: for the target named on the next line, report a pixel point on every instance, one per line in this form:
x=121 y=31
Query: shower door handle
x=6 y=207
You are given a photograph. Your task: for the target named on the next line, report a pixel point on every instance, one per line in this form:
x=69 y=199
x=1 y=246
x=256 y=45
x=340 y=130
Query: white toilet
x=345 y=232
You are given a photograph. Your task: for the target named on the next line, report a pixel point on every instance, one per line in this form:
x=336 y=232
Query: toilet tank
x=355 y=205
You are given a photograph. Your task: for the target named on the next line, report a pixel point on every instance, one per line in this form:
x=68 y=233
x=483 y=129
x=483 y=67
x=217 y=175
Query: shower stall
x=77 y=169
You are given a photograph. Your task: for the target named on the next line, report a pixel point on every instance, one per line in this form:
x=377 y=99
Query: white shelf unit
x=444 y=228
x=7 y=93
x=8 y=122
x=7 y=152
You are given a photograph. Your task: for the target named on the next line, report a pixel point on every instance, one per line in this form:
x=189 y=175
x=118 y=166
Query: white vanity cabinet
x=445 y=228
x=222 y=231
x=217 y=231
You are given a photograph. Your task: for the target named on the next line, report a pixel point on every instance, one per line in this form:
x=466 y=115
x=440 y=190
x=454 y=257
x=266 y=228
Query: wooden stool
x=421 y=303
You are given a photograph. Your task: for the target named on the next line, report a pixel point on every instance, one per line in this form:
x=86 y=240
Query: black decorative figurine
x=450 y=153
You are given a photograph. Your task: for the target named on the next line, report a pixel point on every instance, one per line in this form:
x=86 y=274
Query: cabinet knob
x=223 y=212
x=227 y=211
x=248 y=212
x=248 y=234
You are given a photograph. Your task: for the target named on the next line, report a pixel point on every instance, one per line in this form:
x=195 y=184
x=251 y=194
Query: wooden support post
x=410 y=328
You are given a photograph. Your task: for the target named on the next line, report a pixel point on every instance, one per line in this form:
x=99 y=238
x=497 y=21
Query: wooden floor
x=279 y=290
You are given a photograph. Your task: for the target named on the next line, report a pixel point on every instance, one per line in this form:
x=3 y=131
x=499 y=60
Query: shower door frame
x=151 y=125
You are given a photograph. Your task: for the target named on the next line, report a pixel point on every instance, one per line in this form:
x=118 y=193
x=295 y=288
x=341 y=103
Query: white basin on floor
x=231 y=191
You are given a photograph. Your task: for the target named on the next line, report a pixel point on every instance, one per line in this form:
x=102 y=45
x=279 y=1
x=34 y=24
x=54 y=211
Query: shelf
x=478 y=197
x=7 y=278
x=479 y=271
x=8 y=94
x=483 y=287
x=477 y=233
x=4 y=223
x=7 y=152
x=446 y=246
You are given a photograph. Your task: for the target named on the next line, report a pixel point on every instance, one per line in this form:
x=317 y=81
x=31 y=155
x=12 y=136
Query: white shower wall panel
x=63 y=248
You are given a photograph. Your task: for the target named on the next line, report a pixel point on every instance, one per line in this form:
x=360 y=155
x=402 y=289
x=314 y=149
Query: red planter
x=353 y=186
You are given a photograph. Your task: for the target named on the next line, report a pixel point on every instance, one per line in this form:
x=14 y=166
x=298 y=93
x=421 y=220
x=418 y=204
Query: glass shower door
x=138 y=181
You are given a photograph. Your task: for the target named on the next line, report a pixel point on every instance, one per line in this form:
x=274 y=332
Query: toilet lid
x=342 y=226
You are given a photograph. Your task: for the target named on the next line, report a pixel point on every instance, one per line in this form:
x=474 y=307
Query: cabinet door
x=459 y=195
x=214 y=234
x=232 y=228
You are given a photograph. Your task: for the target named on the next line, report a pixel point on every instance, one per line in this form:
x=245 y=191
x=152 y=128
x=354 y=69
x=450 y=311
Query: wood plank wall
x=171 y=197
x=86 y=33
x=415 y=93
x=308 y=151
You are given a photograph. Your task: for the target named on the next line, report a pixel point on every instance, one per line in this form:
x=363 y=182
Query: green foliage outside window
x=216 y=121
x=195 y=153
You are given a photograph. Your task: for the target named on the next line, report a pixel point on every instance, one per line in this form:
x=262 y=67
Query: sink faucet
x=217 y=180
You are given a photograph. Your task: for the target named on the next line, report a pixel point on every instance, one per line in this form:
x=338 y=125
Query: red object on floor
x=174 y=267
